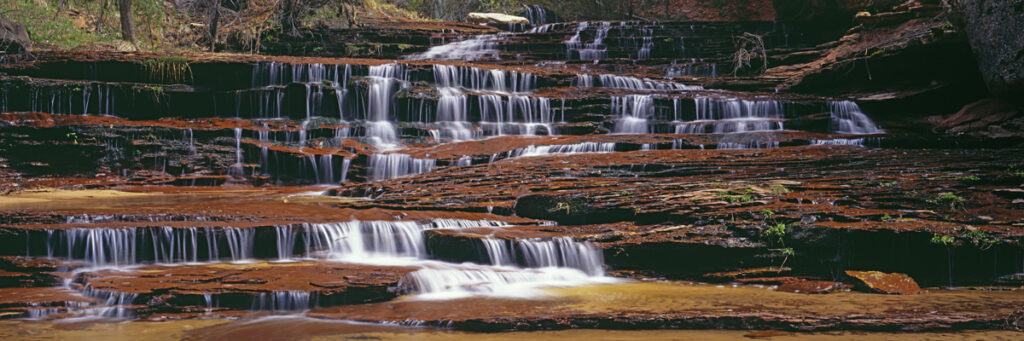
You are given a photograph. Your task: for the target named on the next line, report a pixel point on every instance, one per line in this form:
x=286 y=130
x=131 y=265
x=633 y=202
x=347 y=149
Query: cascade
x=540 y=253
x=846 y=118
x=387 y=166
x=536 y=15
x=236 y=171
x=345 y=163
x=479 y=47
x=464 y=161
x=632 y=113
x=595 y=49
x=482 y=80
x=136 y=245
x=449 y=283
x=369 y=241
x=284 y=300
x=380 y=130
x=585 y=147
x=452 y=115
x=716 y=115
x=633 y=83
x=515 y=115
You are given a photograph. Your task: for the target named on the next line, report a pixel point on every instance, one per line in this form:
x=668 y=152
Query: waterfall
x=515 y=115
x=479 y=47
x=464 y=161
x=583 y=80
x=536 y=15
x=633 y=83
x=369 y=241
x=452 y=115
x=286 y=237
x=440 y=282
x=846 y=118
x=595 y=49
x=483 y=80
x=236 y=171
x=136 y=245
x=585 y=147
x=632 y=113
x=345 y=163
x=731 y=115
x=379 y=128
x=387 y=166
x=541 y=253
x=284 y=300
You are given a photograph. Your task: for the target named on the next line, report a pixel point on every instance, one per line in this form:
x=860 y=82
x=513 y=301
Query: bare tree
x=209 y=10
x=127 y=22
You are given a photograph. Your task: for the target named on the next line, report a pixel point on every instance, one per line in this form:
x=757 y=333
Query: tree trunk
x=127 y=23
x=214 y=17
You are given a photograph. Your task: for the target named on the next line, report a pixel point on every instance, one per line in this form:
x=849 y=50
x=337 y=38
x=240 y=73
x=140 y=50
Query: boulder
x=885 y=283
x=495 y=18
x=986 y=118
x=14 y=37
x=994 y=31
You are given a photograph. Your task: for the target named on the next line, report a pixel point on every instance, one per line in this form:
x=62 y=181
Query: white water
x=846 y=118
x=380 y=131
x=727 y=115
x=631 y=113
x=387 y=166
x=578 y=148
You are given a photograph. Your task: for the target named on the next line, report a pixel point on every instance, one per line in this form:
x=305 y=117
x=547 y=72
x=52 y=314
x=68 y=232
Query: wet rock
x=987 y=118
x=804 y=286
x=885 y=283
x=495 y=18
x=993 y=28
x=744 y=273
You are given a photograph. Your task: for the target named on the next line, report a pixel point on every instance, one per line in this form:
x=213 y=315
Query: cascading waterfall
x=540 y=253
x=716 y=115
x=138 y=245
x=578 y=148
x=550 y=262
x=846 y=118
x=633 y=83
x=632 y=113
x=595 y=49
x=387 y=166
x=536 y=15
x=380 y=130
x=479 y=47
x=515 y=115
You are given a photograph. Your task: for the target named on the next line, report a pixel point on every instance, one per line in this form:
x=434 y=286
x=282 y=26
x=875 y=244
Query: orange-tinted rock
x=885 y=283
x=804 y=286
x=744 y=273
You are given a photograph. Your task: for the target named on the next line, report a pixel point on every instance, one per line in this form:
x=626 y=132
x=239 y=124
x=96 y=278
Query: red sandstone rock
x=886 y=283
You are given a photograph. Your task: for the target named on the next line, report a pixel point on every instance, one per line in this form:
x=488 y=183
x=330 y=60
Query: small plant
x=979 y=239
x=73 y=136
x=886 y=218
x=890 y=184
x=970 y=178
x=952 y=200
x=776 y=233
x=944 y=240
x=170 y=69
x=767 y=214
